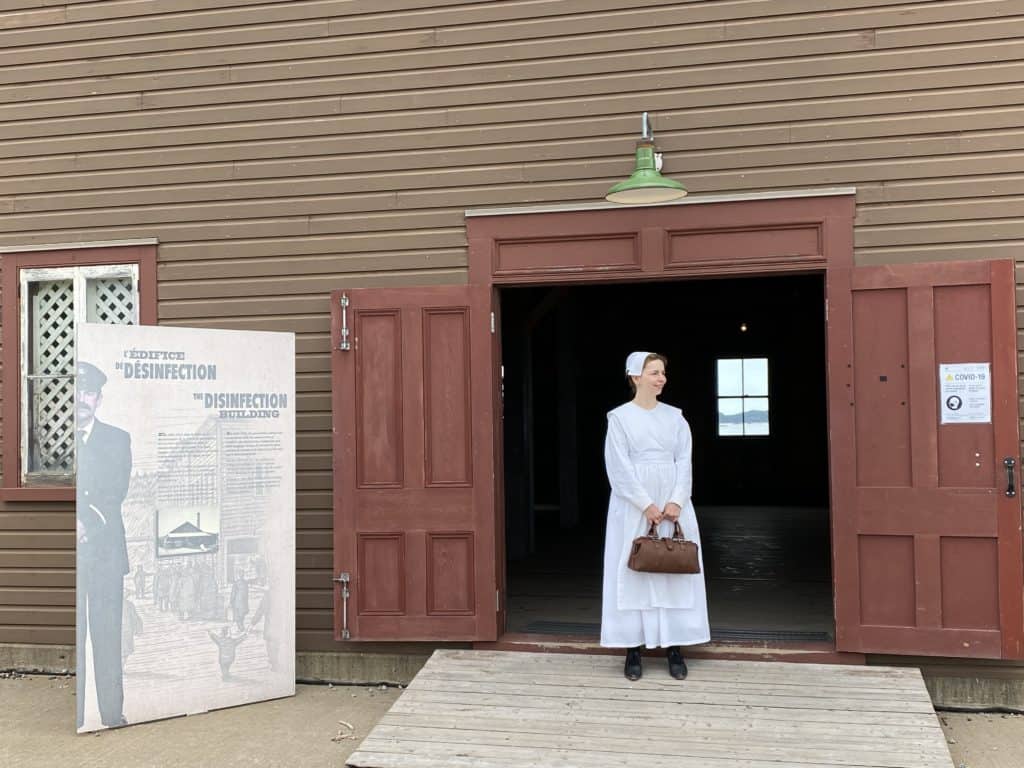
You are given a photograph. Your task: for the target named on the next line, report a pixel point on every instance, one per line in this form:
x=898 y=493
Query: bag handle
x=677 y=533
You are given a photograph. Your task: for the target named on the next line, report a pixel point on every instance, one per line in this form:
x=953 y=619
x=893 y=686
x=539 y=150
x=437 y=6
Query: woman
x=647 y=457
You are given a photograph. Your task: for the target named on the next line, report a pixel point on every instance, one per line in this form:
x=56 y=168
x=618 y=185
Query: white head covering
x=635 y=363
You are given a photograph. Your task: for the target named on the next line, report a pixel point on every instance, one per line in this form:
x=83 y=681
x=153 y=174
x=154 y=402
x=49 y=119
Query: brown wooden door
x=926 y=541
x=414 y=458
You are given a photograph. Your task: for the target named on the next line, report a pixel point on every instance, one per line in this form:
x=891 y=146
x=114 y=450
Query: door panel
x=926 y=541
x=414 y=505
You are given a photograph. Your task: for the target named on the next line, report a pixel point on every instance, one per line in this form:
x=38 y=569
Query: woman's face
x=652 y=380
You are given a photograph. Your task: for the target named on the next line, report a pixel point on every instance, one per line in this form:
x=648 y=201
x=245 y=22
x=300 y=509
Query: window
x=57 y=290
x=742 y=387
x=53 y=303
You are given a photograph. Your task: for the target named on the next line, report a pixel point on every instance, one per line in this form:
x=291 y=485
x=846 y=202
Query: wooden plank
x=599 y=682
x=38 y=616
x=426 y=753
x=985 y=208
x=710 y=673
x=34 y=558
x=711 y=679
x=975 y=230
x=550 y=707
x=38 y=635
x=37 y=596
x=511 y=717
x=513 y=660
x=28 y=19
x=276 y=264
x=37 y=577
x=57 y=539
x=38 y=520
x=673 y=741
x=690 y=694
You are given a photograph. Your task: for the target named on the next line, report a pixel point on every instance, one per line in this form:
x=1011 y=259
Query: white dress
x=648 y=459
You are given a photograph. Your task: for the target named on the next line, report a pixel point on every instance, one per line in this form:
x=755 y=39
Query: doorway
x=761 y=486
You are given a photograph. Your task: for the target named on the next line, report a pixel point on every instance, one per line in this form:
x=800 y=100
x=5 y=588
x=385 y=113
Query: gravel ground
x=319 y=727
x=984 y=740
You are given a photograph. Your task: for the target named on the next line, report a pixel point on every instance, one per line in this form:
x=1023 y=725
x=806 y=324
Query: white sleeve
x=684 y=466
x=619 y=467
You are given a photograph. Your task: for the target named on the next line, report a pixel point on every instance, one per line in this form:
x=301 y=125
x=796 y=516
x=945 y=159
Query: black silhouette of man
x=104 y=459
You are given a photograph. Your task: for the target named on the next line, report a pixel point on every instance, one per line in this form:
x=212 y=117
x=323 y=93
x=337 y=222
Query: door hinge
x=497 y=601
x=344 y=345
x=826 y=310
x=492 y=322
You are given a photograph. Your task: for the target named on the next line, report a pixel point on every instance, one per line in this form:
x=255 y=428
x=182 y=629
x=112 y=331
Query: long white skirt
x=653 y=627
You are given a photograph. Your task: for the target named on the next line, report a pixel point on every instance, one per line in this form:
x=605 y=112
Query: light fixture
x=646 y=185
x=743 y=327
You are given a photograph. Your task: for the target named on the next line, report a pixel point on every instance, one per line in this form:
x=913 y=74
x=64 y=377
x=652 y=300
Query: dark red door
x=926 y=539
x=414 y=457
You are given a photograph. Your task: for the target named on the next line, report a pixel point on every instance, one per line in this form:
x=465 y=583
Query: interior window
x=742 y=389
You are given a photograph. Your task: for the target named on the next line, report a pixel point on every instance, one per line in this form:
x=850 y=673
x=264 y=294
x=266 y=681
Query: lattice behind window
x=111 y=300
x=52 y=388
x=54 y=439
x=53 y=312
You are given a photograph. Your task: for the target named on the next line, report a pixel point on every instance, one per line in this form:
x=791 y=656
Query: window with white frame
x=742 y=389
x=54 y=301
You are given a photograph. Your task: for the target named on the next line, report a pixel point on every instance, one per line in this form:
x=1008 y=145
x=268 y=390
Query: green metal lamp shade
x=646 y=185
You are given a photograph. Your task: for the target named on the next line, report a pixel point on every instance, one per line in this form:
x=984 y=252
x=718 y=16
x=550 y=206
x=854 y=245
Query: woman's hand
x=672 y=512
x=653 y=514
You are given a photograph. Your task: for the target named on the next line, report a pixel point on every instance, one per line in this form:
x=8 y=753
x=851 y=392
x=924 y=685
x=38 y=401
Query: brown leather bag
x=652 y=554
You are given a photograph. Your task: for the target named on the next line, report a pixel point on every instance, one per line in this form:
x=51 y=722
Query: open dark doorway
x=760 y=450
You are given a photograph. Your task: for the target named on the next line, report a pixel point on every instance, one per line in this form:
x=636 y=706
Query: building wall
x=282 y=149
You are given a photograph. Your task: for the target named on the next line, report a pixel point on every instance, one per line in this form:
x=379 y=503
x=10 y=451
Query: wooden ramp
x=492 y=709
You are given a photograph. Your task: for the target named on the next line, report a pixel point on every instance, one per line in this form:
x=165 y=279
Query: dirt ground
x=984 y=740
x=318 y=728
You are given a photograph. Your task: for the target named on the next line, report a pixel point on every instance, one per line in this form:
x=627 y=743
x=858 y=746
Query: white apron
x=648 y=460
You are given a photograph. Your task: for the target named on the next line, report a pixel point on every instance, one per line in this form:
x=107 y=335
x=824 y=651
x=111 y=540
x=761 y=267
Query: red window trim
x=10 y=320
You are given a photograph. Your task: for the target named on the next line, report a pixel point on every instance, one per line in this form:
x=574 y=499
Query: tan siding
x=279 y=150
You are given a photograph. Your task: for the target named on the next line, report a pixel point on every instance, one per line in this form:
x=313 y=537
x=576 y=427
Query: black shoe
x=633 y=669
x=676 y=664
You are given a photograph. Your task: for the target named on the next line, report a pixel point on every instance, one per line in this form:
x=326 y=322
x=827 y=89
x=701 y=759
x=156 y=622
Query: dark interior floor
x=766 y=569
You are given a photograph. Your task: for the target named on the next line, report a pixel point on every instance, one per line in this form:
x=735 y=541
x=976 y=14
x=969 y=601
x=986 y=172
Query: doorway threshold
x=814 y=652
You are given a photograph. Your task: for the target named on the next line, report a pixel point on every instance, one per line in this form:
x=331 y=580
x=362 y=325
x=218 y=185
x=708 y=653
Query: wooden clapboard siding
x=282 y=149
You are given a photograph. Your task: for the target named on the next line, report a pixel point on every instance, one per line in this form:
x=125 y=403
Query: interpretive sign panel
x=185 y=512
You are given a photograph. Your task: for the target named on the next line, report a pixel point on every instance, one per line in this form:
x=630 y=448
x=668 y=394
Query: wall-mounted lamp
x=646 y=185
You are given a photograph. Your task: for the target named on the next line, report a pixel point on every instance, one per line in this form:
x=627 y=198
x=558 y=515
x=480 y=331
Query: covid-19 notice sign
x=965 y=393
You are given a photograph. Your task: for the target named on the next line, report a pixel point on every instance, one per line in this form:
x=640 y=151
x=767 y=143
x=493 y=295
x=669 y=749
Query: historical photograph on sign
x=185 y=510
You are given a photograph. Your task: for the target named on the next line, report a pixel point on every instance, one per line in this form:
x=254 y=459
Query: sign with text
x=965 y=393
x=185 y=518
